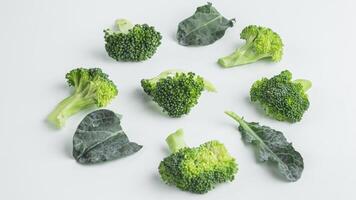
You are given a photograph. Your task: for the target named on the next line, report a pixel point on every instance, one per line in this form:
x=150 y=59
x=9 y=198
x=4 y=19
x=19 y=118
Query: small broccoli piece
x=92 y=87
x=282 y=98
x=175 y=91
x=196 y=169
x=129 y=42
x=260 y=43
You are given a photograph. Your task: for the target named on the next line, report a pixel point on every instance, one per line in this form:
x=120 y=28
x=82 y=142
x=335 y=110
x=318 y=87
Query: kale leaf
x=203 y=28
x=272 y=145
x=99 y=138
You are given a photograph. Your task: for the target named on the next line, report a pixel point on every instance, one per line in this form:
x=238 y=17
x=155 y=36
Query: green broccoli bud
x=197 y=169
x=92 y=87
x=127 y=42
x=176 y=91
x=282 y=98
x=261 y=43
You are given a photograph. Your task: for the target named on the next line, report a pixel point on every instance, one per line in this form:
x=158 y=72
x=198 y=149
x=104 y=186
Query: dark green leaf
x=272 y=145
x=205 y=27
x=99 y=137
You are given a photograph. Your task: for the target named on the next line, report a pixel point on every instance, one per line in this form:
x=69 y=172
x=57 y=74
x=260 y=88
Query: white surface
x=41 y=40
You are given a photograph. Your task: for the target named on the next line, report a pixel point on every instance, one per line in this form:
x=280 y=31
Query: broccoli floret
x=92 y=87
x=196 y=169
x=261 y=43
x=282 y=98
x=175 y=91
x=129 y=42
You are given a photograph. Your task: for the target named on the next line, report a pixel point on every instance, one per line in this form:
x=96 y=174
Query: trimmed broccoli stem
x=164 y=74
x=176 y=141
x=305 y=83
x=243 y=55
x=208 y=86
x=123 y=26
x=68 y=107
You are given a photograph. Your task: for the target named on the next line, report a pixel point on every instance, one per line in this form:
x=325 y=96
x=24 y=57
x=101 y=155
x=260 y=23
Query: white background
x=42 y=40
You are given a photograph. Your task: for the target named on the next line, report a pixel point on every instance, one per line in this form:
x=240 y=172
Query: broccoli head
x=261 y=43
x=129 y=42
x=282 y=98
x=92 y=87
x=196 y=169
x=175 y=91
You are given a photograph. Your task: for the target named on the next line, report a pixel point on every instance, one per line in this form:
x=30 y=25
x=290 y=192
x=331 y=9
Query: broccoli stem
x=164 y=74
x=208 y=86
x=243 y=55
x=123 y=26
x=68 y=107
x=176 y=141
x=305 y=83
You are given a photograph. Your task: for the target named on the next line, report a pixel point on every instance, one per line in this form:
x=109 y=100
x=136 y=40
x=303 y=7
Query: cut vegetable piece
x=99 y=138
x=271 y=145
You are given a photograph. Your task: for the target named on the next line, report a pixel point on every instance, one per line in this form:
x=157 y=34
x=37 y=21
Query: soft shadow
x=256 y=105
x=60 y=86
x=156 y=179
x=165 y=150
x=147 y=101
x=49 y=125
x=173 y=36
x=102 y=55
x=68 y=149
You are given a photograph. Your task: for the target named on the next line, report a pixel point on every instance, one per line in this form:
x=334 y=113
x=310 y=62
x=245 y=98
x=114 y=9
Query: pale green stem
x=305 y=83
x=176 y=141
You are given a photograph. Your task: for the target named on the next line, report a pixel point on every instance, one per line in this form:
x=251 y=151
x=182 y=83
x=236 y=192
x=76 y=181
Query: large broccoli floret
x=175 y=91
x=261 y=43
x=92 y=87
x=129 y=42
x=196 y=169
x=282 y=98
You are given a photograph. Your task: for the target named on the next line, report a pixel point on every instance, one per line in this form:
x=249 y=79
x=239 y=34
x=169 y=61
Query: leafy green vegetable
x=205 y=27
x=196 y=169
x=271 y=145
x=176 y=91
x=99 y=138
x=282 y=98
x=261 y=43
x=92 y=87
x=127 y=42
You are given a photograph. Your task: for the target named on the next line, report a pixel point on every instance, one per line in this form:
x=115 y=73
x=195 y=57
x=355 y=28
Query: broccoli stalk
x=91 y=88
x=69 y=106
x=176 y=141
x=196 y=169
x=260 y=43
x=243 y=55
x=123 y=26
